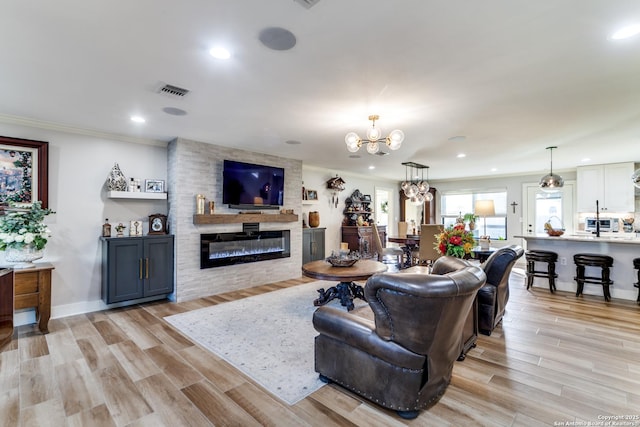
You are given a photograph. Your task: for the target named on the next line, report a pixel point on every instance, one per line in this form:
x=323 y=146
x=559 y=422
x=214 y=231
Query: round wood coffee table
x=346 y=290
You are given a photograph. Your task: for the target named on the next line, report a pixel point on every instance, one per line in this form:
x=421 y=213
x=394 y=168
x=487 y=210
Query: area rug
x=269 y=337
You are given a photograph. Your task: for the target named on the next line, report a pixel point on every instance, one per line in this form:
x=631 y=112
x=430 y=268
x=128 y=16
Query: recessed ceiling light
x=586 y=159
x=459 y=138
x=174 y=111
x=494 y=169
x=138 y=119
x=626 y=32
x=371 y=167
x=219 y=52
x=461 y=155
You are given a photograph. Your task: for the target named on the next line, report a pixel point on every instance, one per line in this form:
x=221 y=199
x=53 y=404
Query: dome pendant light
x=551 y=182
x=635 y=178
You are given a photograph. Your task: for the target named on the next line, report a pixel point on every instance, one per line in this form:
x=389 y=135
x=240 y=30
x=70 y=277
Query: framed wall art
x=312 y=195
x=154 y=186
x=24 y=169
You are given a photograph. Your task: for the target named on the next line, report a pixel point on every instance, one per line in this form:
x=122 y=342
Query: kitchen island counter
x=622 y=247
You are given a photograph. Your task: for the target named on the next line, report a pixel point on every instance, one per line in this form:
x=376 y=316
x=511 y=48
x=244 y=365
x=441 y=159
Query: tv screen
x=249 y=185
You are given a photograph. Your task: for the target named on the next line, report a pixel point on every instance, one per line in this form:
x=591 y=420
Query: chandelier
x=551 y=182
x=416 y=190
x=374 y=138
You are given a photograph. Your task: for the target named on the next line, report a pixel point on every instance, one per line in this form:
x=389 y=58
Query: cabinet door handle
x=146 y=260
x=140 y=265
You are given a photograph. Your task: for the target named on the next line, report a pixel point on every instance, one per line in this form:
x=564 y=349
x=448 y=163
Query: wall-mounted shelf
x=310 y=202
x=242 y=218
x=136 y=195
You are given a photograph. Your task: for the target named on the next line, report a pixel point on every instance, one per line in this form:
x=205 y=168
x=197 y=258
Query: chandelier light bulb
x=411 y=191
x=423 y=186
x=373 y=133
x=351 y=138
x=395 y=138
x=428 y=197
x=353 y=147
x=404 y=185
x=373 y=147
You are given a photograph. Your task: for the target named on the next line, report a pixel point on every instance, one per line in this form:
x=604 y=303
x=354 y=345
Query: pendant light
x=417 y=191
x=635 y=178
x=374 y=138
x=551 y=182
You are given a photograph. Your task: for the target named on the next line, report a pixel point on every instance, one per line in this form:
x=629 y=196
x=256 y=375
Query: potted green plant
x=471 y=219
x=23 y=235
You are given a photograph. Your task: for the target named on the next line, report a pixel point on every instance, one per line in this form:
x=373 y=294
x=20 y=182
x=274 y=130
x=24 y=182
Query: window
x=456 y=204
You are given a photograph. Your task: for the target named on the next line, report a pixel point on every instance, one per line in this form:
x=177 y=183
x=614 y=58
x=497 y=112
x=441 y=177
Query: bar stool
x=605 y=262
x=636 y=265
x=533 y=256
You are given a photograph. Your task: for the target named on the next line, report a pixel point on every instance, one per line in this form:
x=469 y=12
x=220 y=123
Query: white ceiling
x=512 y=76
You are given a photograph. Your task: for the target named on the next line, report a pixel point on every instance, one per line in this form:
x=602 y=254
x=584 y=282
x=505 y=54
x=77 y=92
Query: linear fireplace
x=220 y=249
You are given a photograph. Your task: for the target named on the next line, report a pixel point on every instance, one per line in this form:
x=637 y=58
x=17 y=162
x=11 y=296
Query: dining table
x=409 y=244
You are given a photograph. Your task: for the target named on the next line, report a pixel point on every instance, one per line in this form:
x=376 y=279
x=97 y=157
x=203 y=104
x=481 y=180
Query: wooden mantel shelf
x=242 y=218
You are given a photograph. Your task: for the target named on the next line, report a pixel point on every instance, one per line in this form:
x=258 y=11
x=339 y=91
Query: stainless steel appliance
x=606 y=224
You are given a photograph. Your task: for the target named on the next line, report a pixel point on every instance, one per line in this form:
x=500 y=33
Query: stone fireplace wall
x=196 y=168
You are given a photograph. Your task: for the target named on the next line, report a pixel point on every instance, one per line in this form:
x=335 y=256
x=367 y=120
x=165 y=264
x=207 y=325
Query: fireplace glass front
x=220 y=249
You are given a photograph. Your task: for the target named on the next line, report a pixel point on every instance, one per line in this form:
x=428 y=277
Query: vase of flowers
x=455 y=241
x=23 y=235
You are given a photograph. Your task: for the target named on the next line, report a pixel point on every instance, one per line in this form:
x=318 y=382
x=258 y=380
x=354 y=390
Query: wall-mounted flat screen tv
x=246 y=185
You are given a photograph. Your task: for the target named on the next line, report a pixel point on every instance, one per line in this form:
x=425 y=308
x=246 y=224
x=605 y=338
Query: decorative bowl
x=555 y=232
x=341 y=262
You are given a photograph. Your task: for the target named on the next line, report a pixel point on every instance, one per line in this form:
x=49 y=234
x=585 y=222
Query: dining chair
x=391 y=256
x=402 y=228
x=427 y=253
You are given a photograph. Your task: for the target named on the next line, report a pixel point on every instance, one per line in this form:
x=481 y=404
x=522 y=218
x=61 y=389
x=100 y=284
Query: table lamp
x=484 y=208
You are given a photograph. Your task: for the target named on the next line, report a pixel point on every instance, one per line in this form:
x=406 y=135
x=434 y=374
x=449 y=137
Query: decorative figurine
x=120 y=228
x=106 y=228
x=116 y=180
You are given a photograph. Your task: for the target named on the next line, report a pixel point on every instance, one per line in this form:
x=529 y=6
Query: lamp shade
x=484 y=208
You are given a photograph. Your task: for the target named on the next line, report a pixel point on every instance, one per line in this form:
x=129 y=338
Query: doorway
x=540 y=207
x=384 y=208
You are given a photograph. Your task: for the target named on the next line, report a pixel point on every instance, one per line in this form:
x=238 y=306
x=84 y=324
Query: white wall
x=78 y=169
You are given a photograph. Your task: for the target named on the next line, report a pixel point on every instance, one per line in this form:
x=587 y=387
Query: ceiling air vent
x=307 y=3
x=174 y=90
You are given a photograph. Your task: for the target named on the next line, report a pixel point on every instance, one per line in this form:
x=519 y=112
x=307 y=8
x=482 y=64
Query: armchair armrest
x=360 y=333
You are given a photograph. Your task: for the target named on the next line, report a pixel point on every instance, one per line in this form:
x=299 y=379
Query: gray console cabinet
x=137 y=267
x=312 y=244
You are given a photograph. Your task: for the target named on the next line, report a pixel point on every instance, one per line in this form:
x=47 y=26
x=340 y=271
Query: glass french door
x=555 y=208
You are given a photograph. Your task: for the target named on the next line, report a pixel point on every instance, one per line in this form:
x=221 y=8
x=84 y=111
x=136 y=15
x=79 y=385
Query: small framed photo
x=312 y=195
x=366 y=198
x=135 y=228
x=154 y=186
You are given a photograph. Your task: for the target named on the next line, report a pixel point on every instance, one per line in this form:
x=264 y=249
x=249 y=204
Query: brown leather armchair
x=404 y=358
x=493 y=296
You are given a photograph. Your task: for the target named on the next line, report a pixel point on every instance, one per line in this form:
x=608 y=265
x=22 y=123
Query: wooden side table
x=33 y=290
x=6 y=306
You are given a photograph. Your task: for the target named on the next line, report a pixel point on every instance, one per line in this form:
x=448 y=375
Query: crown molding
x=41 y=124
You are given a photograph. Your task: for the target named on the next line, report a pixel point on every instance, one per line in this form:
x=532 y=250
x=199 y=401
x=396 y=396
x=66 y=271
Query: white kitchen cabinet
x=609 y=184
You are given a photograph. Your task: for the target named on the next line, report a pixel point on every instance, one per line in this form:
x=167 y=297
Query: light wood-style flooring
x=555 y=359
